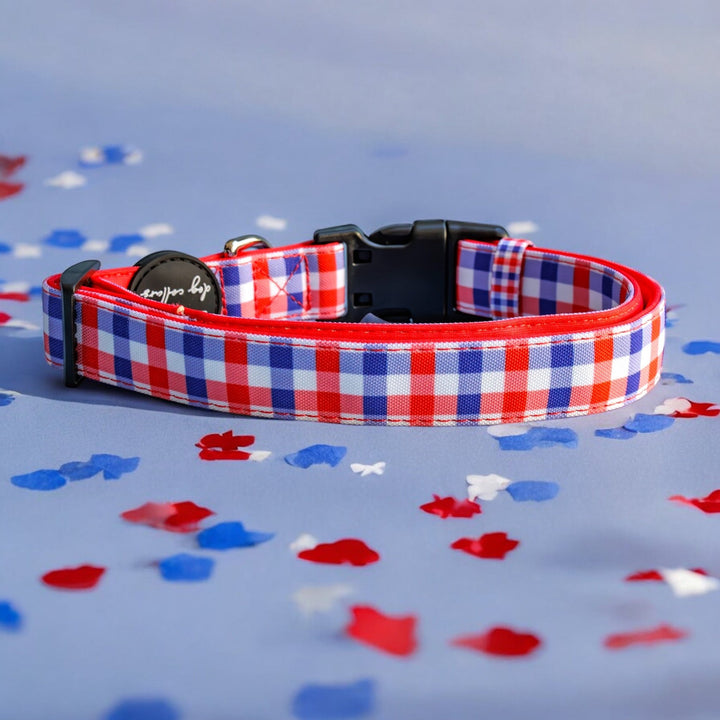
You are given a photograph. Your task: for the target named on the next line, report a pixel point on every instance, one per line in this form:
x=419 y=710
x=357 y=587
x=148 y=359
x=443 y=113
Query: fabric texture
x=259 y=360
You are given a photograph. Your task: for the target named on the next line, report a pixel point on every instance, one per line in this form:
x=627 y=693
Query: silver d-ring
x=244 y=242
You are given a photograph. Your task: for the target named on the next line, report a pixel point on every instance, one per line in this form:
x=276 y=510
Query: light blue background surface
x=596 y=121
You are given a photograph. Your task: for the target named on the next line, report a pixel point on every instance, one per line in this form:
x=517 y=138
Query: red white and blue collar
x=566 y=335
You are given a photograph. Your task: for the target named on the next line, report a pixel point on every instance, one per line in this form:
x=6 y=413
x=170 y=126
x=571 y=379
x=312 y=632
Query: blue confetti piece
x=113 y=466
x=334 y=702
x=143 y=710
x=618 y=433
x=227 y=535
x=65 y=239
x=186 y=568
x=316 y=455
x=6 y=399
x=10 y=618
x=114 y=154
x=700 y=347
x=5 y=248
x=532 y=490
x=120 y=243
x=649 y=423
x=668 y=378
x=79 y=470
x=539 y=437
x=39 y=480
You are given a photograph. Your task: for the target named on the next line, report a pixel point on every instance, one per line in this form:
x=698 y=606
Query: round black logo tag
x=177 y=279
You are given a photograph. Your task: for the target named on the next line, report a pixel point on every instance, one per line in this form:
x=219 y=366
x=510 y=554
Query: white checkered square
x=139 y=352
x=538 y=378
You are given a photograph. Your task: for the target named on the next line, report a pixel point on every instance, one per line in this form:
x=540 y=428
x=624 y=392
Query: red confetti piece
x=654 y=575
x=501 y=641
x=84 y=577
x=4 y=317
x=349 y=550
x=17 y=296
x=224 y=446
x=450 y=507
x=8 y=165
x=491 y=545
x=662 y=633
x=698 y=409
x=708 y=504
x=394 y=635
x=8 y=189
x=644 y=575
x=180 y=517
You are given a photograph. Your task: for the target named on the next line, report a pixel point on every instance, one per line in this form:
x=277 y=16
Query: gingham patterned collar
x=567 y=335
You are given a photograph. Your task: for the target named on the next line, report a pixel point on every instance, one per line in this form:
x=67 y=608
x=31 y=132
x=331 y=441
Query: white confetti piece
x=92 y=156
x=672 y=405
x=96 y=245
x=303 y=542
x=319 y=598
x=137 y=250
x=259 y=455
x=154 y=230
x=507 y=430
x=520 y=228
x=268 y=222
x=16 y=323
x=15 y=287
x=377 y=469
x=23 y=250
x=485 y=487
x=685 y=583
x=66 y=180
x=133 y=157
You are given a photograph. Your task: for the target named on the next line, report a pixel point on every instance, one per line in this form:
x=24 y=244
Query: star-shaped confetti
x=501 y=641
x=179 y=517
x=377 y=468
x=493 y=546
x=320 y=598
x=445 y=507
x=348 y=551
x=653 y=636
x=485 y=487
x=392 y=634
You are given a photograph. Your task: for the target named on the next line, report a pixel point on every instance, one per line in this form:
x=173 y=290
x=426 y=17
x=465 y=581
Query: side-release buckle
x=405 y=272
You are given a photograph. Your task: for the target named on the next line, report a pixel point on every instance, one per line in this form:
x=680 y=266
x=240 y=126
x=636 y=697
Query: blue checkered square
x=193 y=345
x=120 y=326
x=561 y=355
x=281 y=356
x=559 y=398
x=283 y=399
x=196 y=387
x=374 y=363
x=375 y=406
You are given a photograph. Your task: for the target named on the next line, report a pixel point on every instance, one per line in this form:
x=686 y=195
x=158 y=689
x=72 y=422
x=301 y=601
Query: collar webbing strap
x=568 y=335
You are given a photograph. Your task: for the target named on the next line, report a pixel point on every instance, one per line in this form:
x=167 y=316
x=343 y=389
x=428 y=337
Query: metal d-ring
x=244 y=242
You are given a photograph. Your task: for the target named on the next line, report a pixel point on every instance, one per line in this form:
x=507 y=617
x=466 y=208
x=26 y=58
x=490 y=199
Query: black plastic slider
x=406 y=271
x=70 y=280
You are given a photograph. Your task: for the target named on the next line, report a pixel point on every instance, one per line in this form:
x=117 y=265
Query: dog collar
x=565 y=334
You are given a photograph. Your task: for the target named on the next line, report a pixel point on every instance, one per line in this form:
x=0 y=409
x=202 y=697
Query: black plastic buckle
x=405 y=272
x=70 y=280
